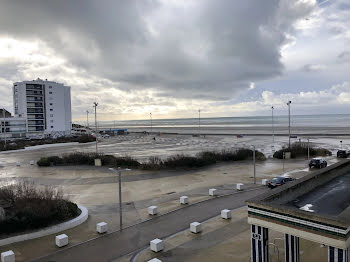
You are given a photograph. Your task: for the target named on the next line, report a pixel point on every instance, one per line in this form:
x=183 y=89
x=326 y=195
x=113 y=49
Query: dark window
x=50 y=93
x=50 y=86
x=51 y=104
x=51 y=126
x=51 y=109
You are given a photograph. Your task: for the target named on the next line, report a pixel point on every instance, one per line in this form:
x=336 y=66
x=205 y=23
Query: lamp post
x=87 y=118
x=288 y=104
x=284 y=156
x=3 y=115
x=150 y=115
x=254 y=162
x=341 y=145
x=199 y=122
x=273 y=129
x=95 y=106
x=308 y=149
x=119 y=172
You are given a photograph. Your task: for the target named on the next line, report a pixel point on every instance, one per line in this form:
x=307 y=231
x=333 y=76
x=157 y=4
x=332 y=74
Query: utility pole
x=87 y=118
x=273 y=130
x=199 y=122
x=288 y=104
x=150 y=115
x=95 y=106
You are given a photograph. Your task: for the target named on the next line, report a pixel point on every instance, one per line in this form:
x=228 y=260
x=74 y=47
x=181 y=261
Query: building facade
x=46 y=105
x=13 y=127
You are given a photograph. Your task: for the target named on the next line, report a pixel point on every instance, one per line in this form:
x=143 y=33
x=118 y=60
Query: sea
x=318 y=124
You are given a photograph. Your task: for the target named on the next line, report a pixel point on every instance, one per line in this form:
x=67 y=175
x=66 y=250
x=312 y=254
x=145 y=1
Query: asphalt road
x=131 y=239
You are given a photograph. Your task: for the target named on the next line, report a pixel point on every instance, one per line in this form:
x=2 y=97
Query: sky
x=173 y=57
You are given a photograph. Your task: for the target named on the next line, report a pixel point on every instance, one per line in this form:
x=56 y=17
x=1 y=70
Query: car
x=343 y=153
x=278 y=181
x=105 y=136
x=318 y=163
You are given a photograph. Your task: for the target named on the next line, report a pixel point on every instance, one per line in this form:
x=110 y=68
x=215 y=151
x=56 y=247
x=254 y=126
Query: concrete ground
x=96 y=188
x=224 y=240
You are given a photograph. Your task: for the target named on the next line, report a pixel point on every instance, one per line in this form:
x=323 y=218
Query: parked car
x=278 y=181
x=343 y=153
x=318 y=162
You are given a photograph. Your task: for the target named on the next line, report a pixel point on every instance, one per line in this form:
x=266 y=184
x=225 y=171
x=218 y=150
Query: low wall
x=49 y=230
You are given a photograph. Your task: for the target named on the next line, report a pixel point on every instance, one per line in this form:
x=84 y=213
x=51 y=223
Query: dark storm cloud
x=208 y=49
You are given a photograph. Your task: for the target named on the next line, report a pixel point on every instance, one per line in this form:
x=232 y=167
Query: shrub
x=300 y=149
x=31 y=207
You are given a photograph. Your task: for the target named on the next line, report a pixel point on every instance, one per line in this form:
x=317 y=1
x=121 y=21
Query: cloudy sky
x=171 y=57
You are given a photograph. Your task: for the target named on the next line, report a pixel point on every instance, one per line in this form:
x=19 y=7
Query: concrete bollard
x=32 y=162
x=184 y=200
x=264 y=182
x=240 y=186
x=98 y=162
x=153 y=210
x=154 y=260
x=212 y=192
x=101 y=227
x=196 y=227
x=8 y=256
x=61 y=240
x=18 y=163
x=156 y=245
x=226 y=214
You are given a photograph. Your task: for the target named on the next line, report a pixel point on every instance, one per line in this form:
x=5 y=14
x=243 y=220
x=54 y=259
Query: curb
x=49 y=230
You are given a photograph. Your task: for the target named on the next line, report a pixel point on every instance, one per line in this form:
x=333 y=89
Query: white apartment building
x=13 y=127
x=45 y=104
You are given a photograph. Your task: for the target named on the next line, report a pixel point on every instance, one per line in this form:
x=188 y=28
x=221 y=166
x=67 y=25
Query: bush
x=32 y=208
x=299 y=149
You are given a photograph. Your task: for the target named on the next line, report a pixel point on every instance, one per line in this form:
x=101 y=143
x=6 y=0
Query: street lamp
x=288 y=104
x=308 y=149
x=95 y=106
x=87 y=118
x=341 y=145
x=4 y=132
x=199 y=122
x=150 y=115
x=273 y=129
x=254 y=161
x=119 y=172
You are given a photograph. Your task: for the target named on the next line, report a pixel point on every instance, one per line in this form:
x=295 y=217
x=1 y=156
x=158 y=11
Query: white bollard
x=156 y=245
x=264 y=182
x=240 y=186
x=61 y=240
x=101 y=227
x=98 y=162
x=18 y=163
x=154 y=260
x=212 y=192
x=226 y=214
x=184 y=200
x=196 y=227
x=8 y=256
x=153 y=210
x=32 y=162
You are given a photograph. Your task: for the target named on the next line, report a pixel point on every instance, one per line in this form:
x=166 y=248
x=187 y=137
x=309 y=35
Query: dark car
x=278 y=181
x=343 y=154
x=318 y=163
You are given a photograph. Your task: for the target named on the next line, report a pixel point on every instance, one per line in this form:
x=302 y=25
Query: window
x=51 y=115
x=50 y=98
x=51 y=121
x=51 y=109
x=50 y=93
x=51 y=104
x=50 y=86
x=51 y=126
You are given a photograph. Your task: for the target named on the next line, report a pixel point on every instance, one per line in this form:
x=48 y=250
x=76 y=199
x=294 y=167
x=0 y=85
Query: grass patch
x=29 y=207
x=21 y=143
x=299 y=149
x=154 y=163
